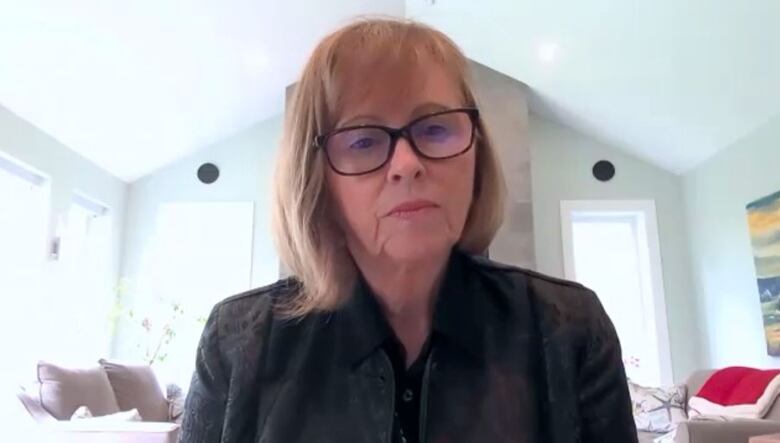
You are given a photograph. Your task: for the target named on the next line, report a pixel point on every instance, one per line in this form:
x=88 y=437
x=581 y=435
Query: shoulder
x=258 y=301
x=249 y=316
x=542 y=285
x=554 y=300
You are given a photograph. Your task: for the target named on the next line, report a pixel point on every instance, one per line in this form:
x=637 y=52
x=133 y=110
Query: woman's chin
x=417 y=249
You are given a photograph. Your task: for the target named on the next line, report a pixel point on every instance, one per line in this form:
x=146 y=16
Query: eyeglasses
x=357 y=150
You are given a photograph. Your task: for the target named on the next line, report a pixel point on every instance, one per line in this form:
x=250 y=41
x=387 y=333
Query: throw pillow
x=63 y=390
x=136 y=386
x=669 y=437
x=657 y=410
x=83 y=413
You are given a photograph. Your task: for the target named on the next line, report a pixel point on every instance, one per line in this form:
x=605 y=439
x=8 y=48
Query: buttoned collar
x=458 y=314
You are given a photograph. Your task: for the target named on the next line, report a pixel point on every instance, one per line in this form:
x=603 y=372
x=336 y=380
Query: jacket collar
x=458 y=314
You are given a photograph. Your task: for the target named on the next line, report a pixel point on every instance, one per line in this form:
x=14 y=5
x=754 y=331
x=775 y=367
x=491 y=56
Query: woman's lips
x=410 y=208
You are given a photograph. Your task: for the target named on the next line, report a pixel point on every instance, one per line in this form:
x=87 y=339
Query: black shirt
x=518 y=357
x=408 y=390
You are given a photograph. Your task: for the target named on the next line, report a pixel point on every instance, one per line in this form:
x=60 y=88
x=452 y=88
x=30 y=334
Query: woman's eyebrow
x=427 y=108
x=359 y=120
x=419 y=110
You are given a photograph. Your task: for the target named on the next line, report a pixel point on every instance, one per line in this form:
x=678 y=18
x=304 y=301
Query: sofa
x=710 y=431
x=103 y=392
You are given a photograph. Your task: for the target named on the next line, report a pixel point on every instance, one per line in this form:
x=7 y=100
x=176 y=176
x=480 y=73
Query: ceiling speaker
x=604 y=170
x=208 y=173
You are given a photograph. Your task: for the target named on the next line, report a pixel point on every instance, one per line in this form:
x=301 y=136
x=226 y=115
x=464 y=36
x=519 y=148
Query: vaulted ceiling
x=671 y=81
x=135 y=85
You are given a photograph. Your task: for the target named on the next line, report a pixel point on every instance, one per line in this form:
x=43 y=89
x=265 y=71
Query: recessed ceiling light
x=547 y=52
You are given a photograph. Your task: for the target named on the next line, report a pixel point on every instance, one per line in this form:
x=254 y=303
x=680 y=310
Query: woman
x=393 y=328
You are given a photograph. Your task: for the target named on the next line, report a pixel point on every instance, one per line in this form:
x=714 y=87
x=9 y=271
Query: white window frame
x=631 y=208
x=40 y=183
x=39 y=180
x=98 y=208
x=99 y=211
x=24 y=172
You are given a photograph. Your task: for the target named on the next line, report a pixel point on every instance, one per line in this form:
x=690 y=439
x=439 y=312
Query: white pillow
x=666 y=438
x=657 y=410
x=83 y=413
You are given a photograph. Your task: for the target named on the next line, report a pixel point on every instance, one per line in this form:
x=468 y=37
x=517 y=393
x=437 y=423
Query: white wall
x=561 y=163
x=245 y=161
x=67 y=172
x=724 y=275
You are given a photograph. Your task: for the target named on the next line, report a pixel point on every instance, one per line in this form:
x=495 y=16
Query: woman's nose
x=405 y=163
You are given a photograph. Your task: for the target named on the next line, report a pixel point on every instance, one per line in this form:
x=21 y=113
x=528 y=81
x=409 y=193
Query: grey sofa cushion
x=136 y=386
x=63 y=390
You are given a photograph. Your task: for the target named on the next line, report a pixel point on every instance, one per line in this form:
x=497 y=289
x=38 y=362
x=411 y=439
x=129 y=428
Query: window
x=86 y=234
x=86 y=298
x=24 y=199
x=23 y=217
x=200 y=253
x=612 y=248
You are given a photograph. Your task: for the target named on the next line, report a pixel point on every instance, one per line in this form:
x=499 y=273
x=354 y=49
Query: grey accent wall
x=503 y=105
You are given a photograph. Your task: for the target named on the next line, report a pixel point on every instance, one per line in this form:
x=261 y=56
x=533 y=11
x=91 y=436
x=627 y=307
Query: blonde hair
x=309 y=242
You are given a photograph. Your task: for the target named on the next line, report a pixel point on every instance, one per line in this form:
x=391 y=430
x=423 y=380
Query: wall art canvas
x=764 y=224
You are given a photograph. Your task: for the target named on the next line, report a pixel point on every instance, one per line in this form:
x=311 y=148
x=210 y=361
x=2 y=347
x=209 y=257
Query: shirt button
x=408 y=395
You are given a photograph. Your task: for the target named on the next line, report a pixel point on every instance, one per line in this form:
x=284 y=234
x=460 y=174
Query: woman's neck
x=406 y=293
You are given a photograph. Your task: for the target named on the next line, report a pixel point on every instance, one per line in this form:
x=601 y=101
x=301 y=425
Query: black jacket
x=524 y=358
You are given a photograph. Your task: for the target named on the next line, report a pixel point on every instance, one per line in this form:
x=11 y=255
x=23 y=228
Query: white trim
x=90 y=204
x=650 y=228
x=22 y=170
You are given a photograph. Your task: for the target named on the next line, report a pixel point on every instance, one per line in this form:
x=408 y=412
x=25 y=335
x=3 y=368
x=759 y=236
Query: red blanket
x=737 y=392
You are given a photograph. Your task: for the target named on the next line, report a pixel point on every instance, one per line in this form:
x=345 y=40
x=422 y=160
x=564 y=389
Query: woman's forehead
x=394 y=90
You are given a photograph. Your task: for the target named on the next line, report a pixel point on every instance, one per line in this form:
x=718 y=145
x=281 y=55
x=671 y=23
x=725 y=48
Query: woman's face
x=412 y=208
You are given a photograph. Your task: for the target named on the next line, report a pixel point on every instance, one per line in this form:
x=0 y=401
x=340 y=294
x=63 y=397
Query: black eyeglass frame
x=321 y=141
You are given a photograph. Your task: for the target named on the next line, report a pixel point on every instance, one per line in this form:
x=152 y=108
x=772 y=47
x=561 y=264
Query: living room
x=138 y=146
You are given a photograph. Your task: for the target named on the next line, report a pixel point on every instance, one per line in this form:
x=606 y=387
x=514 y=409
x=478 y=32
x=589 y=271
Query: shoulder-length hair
x=308 y=240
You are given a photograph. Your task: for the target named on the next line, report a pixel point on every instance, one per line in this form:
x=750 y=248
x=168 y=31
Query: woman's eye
x=435 y=130
x=363 y=143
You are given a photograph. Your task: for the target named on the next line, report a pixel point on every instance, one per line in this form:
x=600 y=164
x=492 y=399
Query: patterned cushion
x=176 y=398
x=657 y=409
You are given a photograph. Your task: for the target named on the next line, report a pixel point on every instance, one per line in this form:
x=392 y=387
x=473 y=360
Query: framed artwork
x=764 y=224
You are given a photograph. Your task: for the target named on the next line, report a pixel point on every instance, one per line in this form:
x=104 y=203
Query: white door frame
x=658 y=305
